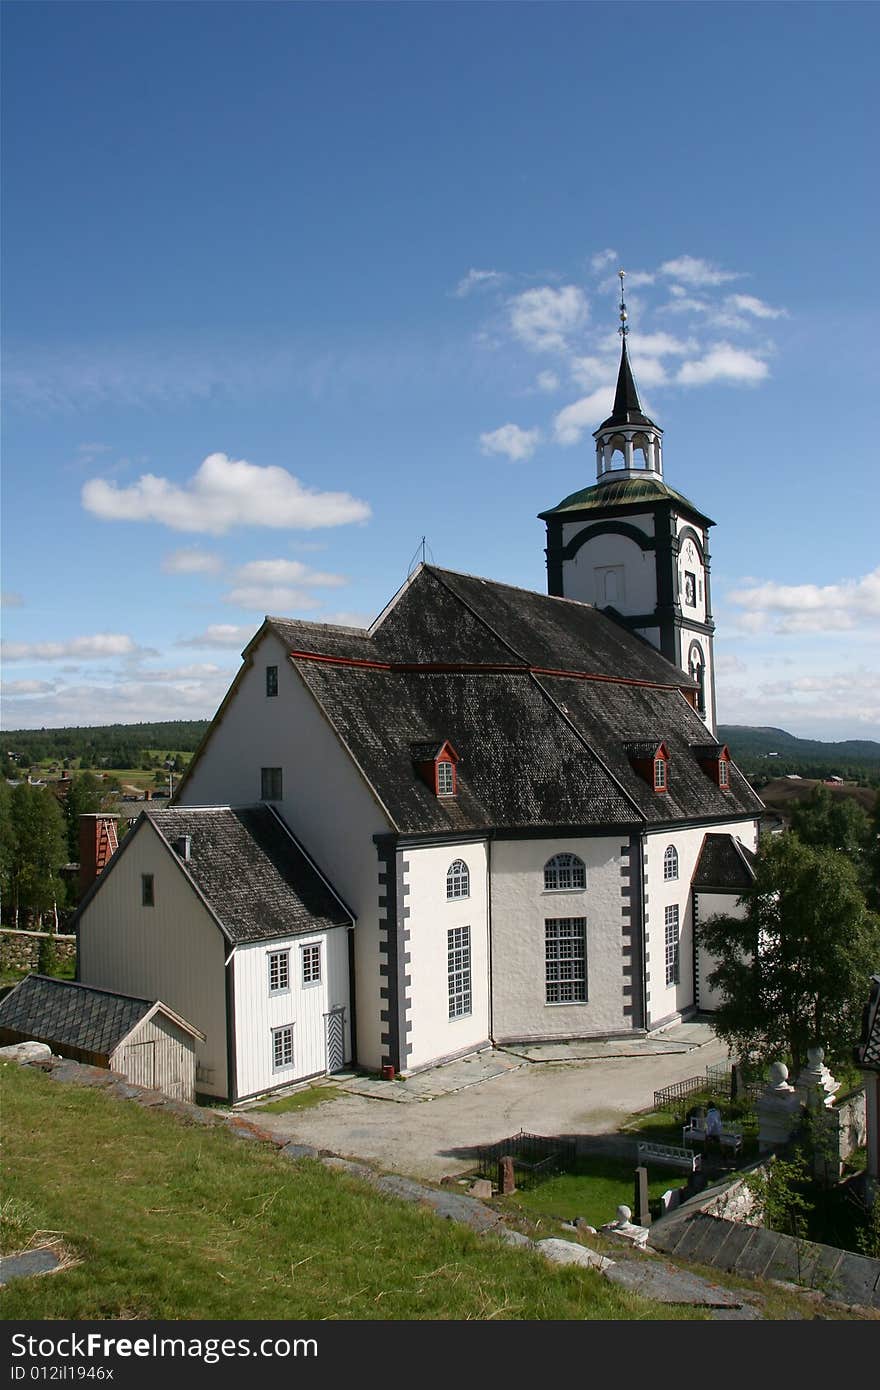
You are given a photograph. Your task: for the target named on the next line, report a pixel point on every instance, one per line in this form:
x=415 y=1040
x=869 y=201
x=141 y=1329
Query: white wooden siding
x=257 y=1011
x=159 y=1054
x=173 y=951
x=326 y=803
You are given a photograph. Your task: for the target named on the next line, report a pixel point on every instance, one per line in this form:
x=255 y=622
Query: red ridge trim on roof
x=468 y=668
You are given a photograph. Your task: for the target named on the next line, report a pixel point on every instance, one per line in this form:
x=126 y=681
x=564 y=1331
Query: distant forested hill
x=768 y=752
x=109 y=745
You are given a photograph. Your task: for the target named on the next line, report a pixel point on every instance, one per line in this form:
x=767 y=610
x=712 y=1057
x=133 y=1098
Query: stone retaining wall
x=20 y=950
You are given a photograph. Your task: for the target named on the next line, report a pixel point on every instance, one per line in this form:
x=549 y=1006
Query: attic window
x=649 y=759
x=723 y=774
x=445 y=779
x=714 y=759
x=660 y=774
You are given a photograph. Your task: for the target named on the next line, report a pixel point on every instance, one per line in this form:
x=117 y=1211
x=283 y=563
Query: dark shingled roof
x=251 y=871
x=66 y=1014
x=724 y=863
x=324 y=638
x=627 y=408
x=867 y=1053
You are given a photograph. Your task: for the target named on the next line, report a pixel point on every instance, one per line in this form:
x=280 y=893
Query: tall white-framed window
x=672 y=945
x=279 y=971
x=458 y=955
x=659 y=774
x=458 y=880
x=670 y=863
x=311 y=964
x=565 y=960
x=445 y=779
x=564 y=873
x=282 y=1047
x=723 y=773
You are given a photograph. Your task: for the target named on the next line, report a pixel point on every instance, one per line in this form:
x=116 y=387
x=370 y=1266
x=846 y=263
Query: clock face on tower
x=690 y=590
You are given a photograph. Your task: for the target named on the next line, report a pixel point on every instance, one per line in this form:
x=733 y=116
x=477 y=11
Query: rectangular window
x=672 y=958
x=723 y=773
x=659 y=774
x=279 y=971
x=445 y=779
x=458 y=954
x=566 y=960
x=311 y=965
x=148 y=891
x=282 y=1047
x=270 y=783
x=271 y=680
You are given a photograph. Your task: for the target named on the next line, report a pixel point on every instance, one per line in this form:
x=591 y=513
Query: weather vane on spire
x=622 y=330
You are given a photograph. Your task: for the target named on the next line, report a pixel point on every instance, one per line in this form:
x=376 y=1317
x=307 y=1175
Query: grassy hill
x=768 y=752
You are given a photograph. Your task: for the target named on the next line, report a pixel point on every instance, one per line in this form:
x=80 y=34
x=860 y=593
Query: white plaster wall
x=713 y=905
x=694 y=565
x=639 y=569
x=433 y=1033
x=669 y=999
x=257 y=1011
x=519 y=909
x=173 y=951
x=326 y=803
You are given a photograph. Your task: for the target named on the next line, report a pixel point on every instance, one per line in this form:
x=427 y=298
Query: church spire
x=628 y=440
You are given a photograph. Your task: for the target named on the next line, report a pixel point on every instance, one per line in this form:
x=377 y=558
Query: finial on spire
x=622 y=330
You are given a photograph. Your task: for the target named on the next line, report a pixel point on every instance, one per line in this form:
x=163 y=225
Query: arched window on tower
x=697 y=669
x=640 y=451
x=618 y=452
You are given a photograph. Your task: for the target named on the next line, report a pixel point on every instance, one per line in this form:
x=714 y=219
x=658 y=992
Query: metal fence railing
x=535 y=1157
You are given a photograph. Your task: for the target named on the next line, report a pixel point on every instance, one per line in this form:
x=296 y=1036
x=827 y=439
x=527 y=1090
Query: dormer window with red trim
x=650 y=760
x=714 y=759
x=435 y=762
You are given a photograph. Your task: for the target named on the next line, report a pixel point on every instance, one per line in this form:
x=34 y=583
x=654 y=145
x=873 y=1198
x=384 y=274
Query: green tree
x=38 y=848
x=85 y=796
x=791 y=971
x=833 y=822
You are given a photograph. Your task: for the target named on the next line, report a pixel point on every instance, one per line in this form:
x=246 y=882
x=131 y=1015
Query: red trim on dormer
x=646 y=768
x=427 y=769
x=712 y=768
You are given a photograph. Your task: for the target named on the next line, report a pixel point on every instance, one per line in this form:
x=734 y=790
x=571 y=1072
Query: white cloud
x=692 y=270
x=840 y=685
x=684 y=303
x=827 y=608
x=477 y=280
x=219 y=635
x=346 y=619
x=271 y=598
x=8 y=599
x=548 y=382
x=275 y=572
x=512 y=441
x=574 y=420
x=197 y=671
x=16 y=688
x=192 y=561
x=543 y=318
x=723 y=362
x=602 y=260
x=223 y=493
x=662 y=345
x=649 y=371
x=593 y=371
x=122 y=702
x=749 y=304
x=95 y=648
x=635 y=278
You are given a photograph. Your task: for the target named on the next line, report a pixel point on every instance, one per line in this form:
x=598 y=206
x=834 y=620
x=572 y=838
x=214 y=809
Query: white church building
x=494 y=816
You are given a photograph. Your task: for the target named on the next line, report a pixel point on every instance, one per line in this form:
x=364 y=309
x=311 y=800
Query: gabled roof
x=73 y=1015
x=867 y=1053
x=641 y=747
x=725 y=864
x=251 y=872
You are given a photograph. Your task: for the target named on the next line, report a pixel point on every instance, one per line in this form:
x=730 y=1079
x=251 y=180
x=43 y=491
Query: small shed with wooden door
x=141 y=1039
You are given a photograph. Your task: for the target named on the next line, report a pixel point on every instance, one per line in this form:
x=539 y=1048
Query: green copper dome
x=616 y=492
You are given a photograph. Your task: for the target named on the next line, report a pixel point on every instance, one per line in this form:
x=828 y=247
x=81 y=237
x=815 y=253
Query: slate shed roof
x=724 y=863
x=251 y=871
x=71 y=1015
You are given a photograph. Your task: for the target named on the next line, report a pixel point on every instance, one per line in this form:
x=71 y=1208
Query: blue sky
x=287 y=287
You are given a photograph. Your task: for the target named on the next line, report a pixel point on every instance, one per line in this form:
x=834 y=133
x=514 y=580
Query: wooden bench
x=669 y=1156
x=730 y=1138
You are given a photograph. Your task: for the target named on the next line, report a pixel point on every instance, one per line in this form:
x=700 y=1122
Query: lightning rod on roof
x=622 y=330
x=420 y=556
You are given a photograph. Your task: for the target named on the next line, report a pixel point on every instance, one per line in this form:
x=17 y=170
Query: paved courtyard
x=429 y=1125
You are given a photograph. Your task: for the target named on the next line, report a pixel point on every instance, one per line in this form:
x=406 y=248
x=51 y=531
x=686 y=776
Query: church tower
x=635 y=547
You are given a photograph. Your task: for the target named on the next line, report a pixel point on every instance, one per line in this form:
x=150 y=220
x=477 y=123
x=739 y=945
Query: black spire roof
x=627 y=406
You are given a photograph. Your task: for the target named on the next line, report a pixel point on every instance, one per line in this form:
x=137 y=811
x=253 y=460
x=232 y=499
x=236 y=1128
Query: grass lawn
x=594 y=1192
x=301 y=1100
x=174 y=1221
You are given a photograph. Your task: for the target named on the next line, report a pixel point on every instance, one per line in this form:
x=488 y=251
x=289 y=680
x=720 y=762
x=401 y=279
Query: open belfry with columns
x=492 y=816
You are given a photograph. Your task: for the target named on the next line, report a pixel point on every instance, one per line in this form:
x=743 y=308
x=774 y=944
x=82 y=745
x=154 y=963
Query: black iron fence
x=535 y=1158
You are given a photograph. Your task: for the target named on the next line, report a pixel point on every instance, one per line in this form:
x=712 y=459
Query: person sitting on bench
x=713 y=1124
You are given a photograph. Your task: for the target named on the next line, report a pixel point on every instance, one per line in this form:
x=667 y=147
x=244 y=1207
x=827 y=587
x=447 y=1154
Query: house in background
x=143 y=1040
x=493 y=816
